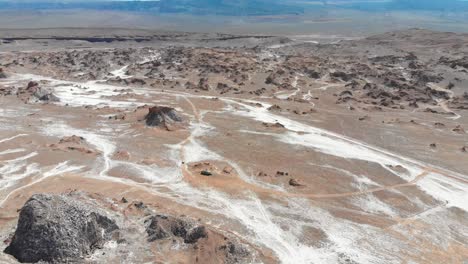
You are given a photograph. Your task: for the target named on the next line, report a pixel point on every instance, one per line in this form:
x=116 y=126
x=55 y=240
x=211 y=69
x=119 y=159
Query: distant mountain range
x=198 y=7
x=423 y=5
x=235 y=7
x=429 y=4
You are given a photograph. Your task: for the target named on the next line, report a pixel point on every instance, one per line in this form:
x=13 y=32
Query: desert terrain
x=257 y=148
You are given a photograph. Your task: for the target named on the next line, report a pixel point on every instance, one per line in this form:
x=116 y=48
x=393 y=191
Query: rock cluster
x=5 y=91
x=34 y=92
x=163 y=227
x=191 y=233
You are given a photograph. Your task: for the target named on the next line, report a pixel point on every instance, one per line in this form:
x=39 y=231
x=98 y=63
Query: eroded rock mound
x=5 y=91
x=194 y=235
x=235 y=253
x=73 y=143
x=162 y=116
x=58 y=229
x=72 y=139
x=162 y=226
x=34 y=92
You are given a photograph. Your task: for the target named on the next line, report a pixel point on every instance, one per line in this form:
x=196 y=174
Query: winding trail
x=275 y=193
x=443 y=103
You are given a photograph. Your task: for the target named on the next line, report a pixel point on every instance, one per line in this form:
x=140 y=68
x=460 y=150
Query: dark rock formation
x=295 y=182
x=194 y=234
x=235 y=252
x=437 y=93
x=162 y=116
x=45 y=95
x=5 y=91
x=162 y=227
x=281 y=173
x=312 y=73
x=203 y=84
x=35 y=92
x=273 y=125
x=439 y=125
x=258 y=92
x=342 y=76
x=2 y=74
x=454 y=63
x=206 y=173
x=274 y=108
x=72 y=139
x=32 y=84
x=58 y=229
x=459 y=129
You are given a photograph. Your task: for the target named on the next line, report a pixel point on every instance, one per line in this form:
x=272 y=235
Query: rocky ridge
x=77 y=227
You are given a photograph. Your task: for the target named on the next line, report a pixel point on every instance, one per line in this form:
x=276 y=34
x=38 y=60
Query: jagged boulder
x=58 y=229
x=162 y=116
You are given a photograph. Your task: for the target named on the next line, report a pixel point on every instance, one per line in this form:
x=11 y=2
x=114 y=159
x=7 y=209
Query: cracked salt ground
x=382 y=203
x=181 y=190
x=15 y=171
x=202 y=199
x=287 y=248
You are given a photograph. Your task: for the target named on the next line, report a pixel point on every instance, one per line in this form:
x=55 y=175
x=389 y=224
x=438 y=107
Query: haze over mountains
x=237 y=7
x=140 y=146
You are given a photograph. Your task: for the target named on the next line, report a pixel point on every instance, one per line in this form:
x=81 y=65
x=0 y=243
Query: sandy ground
x=321 y=187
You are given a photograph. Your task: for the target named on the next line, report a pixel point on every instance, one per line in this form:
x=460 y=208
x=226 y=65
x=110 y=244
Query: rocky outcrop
x=34 y=92
x=73 y=143
x=163 y=227
x=454 y=63
x=2 y=74
x=295 y=182
x=5 y=91
x=58 y=229
x=197 y=236
x=343 y=76
x=274 y=108
x=162 y=116
x=72 y=139
x=235 y=253
x=459 y=129
x=273 y=125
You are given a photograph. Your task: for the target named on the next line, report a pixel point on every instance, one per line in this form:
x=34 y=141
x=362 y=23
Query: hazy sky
x=205 y=15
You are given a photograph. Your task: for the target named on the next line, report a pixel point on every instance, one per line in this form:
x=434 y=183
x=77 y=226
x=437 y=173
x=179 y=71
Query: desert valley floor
x=283 y=150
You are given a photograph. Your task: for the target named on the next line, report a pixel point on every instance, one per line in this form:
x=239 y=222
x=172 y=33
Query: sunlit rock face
x=58 y=229
x=162 y=116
